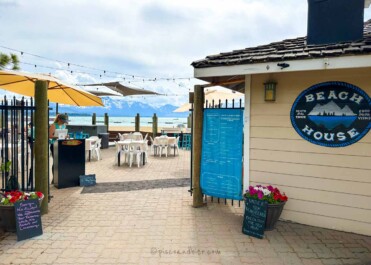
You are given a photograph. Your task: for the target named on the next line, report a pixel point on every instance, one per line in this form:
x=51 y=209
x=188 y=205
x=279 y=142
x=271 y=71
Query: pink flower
x=260 y=194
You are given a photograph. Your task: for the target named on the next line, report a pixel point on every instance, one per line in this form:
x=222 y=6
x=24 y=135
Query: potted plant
x=11 y=181
x=276 y=201
x=7 y=211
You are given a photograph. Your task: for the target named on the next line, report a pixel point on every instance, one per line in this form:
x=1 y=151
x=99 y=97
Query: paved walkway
x=153 y=222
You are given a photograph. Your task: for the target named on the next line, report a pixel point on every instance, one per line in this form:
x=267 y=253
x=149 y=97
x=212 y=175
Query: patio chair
x=125 y=136
x=89 y=145
x=137 y=136
x=123 y=151
x=136 y=152
x=96 y=148
x=153 y=145
x=163 y=145
x=145 y=151
x=175 y=145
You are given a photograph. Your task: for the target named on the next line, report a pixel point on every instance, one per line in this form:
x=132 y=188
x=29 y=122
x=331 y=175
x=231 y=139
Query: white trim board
x=246 y=140
x=343 y=62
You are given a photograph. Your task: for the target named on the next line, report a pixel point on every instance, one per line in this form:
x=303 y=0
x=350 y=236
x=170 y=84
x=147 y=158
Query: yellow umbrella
x=59 y=92
x=211 y=95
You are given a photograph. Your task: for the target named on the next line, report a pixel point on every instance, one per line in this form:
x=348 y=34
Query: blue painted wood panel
x=221 y=158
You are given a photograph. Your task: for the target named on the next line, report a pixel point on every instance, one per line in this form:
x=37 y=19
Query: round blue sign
x=332 y=114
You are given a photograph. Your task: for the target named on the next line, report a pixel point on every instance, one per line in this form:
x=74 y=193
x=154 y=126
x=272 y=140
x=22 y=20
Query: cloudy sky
x=145 y=38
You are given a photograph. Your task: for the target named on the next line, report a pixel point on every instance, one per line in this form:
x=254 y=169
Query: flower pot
x=273 y=214
x=7 y=217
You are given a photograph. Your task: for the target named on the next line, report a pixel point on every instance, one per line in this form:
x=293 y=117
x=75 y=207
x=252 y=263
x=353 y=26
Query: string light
x=91 y=68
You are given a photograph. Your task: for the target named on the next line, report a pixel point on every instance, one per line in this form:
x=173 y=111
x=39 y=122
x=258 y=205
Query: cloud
x=149 y=38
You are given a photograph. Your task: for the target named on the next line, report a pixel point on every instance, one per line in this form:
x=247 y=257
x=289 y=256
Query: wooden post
x=106 y=120
x=137 y=122
x=41 y=141
x=94 y=119
x=154 y=125
x=189 y=120
x=197 y=145
x=56 y=109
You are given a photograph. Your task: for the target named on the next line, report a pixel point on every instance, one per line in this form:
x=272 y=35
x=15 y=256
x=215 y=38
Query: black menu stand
x=69 y=162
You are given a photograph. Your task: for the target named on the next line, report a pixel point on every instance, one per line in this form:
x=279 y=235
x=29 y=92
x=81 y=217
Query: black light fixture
x=270 y=91
x=283 y=65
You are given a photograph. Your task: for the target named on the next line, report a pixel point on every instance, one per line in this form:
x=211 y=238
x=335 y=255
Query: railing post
x=94 y=119
x=154 y=125
x=137 y=122
x=106 y=120
x=189 y=120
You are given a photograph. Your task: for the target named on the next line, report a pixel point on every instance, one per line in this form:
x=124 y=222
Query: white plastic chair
x=174 y=145
x=124 y=151
x=96 y=148
x=135 y=152
x=89 y=146
x=125 y=136
x=163 y=145
x=154 y=145
x=145 y=150
x=137 y=136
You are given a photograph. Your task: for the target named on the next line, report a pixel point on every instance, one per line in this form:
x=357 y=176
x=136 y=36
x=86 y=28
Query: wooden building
x=328 y=186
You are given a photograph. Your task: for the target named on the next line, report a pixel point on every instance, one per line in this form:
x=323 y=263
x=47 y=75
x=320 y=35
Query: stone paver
x=153 y=222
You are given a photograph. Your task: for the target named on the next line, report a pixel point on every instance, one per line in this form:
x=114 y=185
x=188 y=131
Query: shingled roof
x=290 y=49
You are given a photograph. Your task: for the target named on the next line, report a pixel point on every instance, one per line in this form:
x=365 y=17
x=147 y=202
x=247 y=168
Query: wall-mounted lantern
x=270 y=91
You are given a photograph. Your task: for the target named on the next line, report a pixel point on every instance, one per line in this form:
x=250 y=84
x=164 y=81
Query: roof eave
x=343 y=62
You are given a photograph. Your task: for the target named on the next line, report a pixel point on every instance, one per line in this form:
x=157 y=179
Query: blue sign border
x=338 y=83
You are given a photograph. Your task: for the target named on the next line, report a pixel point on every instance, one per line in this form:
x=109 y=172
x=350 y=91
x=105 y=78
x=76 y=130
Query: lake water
x=129 y=121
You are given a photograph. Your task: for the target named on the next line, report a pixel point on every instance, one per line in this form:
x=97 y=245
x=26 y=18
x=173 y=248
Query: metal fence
x=17 y=144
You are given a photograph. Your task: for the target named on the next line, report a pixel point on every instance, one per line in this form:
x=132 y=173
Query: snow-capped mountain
x=331 y=109
x=123 y=108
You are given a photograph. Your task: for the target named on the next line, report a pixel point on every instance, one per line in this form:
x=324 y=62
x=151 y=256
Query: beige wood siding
x=327 y=187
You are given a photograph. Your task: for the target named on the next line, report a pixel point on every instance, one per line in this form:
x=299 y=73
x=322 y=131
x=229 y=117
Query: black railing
x=17 y=144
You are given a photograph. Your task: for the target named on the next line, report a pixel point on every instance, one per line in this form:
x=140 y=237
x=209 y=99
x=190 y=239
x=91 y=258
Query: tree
x=6 y=60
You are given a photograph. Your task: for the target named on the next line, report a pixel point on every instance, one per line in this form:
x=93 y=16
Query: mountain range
x=116 y=108
x=332 y=109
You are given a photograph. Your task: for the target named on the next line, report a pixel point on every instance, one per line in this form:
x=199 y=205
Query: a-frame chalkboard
x=254 y=217
x=28 y=219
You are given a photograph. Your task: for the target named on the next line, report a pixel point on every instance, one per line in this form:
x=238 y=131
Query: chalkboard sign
x=28 y=219
x=87 y=180
x=254 y=217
